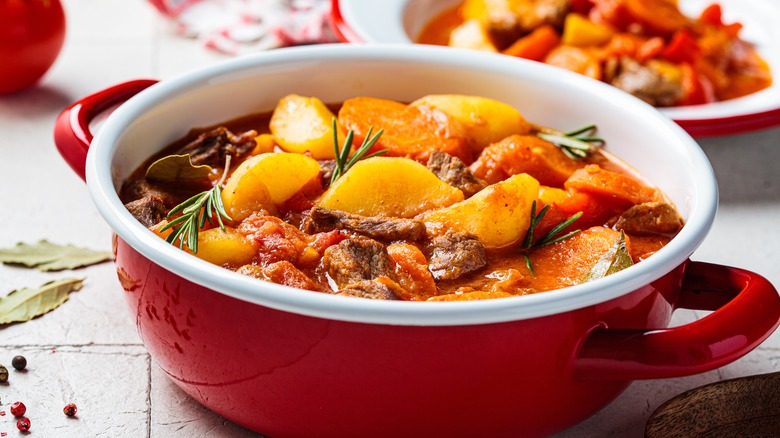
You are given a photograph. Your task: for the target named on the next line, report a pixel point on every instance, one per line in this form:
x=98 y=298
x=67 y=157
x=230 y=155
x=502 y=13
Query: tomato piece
x=657 y=17
x=682 y=48
x=712 y=14
x=697 y=88
x=31 y=36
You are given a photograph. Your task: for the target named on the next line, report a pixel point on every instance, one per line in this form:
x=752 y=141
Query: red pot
x=292 y=363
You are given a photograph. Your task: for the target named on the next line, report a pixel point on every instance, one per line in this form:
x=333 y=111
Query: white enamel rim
x=701 y=205
x=393 y=21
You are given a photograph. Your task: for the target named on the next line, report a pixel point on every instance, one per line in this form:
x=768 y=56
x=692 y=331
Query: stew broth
x=431 y=248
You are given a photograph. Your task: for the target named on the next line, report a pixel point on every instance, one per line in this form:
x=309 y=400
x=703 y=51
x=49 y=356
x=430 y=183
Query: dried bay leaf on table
x=47 y=256
x=25 y=304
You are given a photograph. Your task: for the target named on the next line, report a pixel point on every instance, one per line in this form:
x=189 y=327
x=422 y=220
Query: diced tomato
x=682 y=48
x=697 y=88
x=581 y=6
x=712 y=14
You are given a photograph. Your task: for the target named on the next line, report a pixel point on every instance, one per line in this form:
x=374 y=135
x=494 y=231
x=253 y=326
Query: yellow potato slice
x=499 y=215
x=265 y=181
x=486 y=120
x=389 y=186
x=225 y=248
x=471 y=35
x=301 y=124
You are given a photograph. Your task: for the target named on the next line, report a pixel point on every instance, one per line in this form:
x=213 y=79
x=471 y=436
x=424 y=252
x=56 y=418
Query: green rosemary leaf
x=343 y=161
x=575 y=144
x=549 y=238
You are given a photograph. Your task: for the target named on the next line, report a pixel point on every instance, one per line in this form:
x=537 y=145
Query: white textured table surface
x=88 y=352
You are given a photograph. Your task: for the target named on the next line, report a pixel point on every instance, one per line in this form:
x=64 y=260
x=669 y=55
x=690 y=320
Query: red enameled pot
x=292 y=363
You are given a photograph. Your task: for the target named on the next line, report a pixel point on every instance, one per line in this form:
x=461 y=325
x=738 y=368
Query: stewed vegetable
x=648 y=48
x=449 y=197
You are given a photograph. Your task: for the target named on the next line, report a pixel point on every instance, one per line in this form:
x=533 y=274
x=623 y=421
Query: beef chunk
x=650 y=218
x=326 y=170
x=142 y=188
x=212 y=147
x=646 y=83
x=320 y=220
x=456 y=254
x=356 y=259
x=149 y=210
x=381 y=288
x=454 y=172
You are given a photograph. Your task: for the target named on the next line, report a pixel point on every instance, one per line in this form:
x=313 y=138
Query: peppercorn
x=23 y=424
x=3 y=374
x=70 y=409
x=19 y=362
x=18 y=409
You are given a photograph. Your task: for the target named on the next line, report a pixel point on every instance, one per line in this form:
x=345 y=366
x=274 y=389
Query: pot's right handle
x=746 y=311
x=71 y=131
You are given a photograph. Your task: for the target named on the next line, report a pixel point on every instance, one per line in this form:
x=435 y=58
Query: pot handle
x=746 y=311
x=71 y=130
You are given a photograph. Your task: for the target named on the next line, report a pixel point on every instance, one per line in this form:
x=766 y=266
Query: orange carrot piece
x=408 y=131
x=618 y=189
x=524 y=154
x=536 y=45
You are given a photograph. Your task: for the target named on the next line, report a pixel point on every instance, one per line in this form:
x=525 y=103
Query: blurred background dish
x=685 y=90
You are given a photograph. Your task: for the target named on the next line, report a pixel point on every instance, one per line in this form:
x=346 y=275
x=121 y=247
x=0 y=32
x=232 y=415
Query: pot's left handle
x=71 y=131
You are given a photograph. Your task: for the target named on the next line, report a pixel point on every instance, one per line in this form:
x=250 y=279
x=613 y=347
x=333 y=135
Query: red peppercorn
x=23 y=424
x=70 y=409
x=18 y=409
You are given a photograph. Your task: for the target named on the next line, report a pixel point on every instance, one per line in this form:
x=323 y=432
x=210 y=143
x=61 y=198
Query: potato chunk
x=389 y=186
x=471 y=35
x=225 y=248
x=301 y=124
x=486 y=120
x=499 y=215
x=265 y=181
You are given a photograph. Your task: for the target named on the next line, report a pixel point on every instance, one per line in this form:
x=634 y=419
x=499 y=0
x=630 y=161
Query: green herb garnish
x=343 y=160
x=549 y=238
x=575 y=144
x=195 y=211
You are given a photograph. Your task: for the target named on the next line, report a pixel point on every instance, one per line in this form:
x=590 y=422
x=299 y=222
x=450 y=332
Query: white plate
x=398 y=21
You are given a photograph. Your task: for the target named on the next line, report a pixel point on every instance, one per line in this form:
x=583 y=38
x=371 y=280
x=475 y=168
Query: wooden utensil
x=741 y=407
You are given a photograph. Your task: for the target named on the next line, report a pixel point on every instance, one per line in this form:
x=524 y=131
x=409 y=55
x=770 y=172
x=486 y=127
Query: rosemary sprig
x=549 y=237
x=195 y=211
x=576 y=144
x=343 y=160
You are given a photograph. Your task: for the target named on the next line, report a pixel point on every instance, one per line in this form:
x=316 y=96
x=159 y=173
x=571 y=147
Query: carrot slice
x=408 y=131
x=524 y=154
x=658 y=17
x=620 y=190
x=536 y=45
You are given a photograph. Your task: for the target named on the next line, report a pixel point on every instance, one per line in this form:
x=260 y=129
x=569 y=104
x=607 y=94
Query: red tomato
x=31 y=36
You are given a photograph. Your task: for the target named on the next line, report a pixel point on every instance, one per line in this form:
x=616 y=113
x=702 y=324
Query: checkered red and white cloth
x=234 y=27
